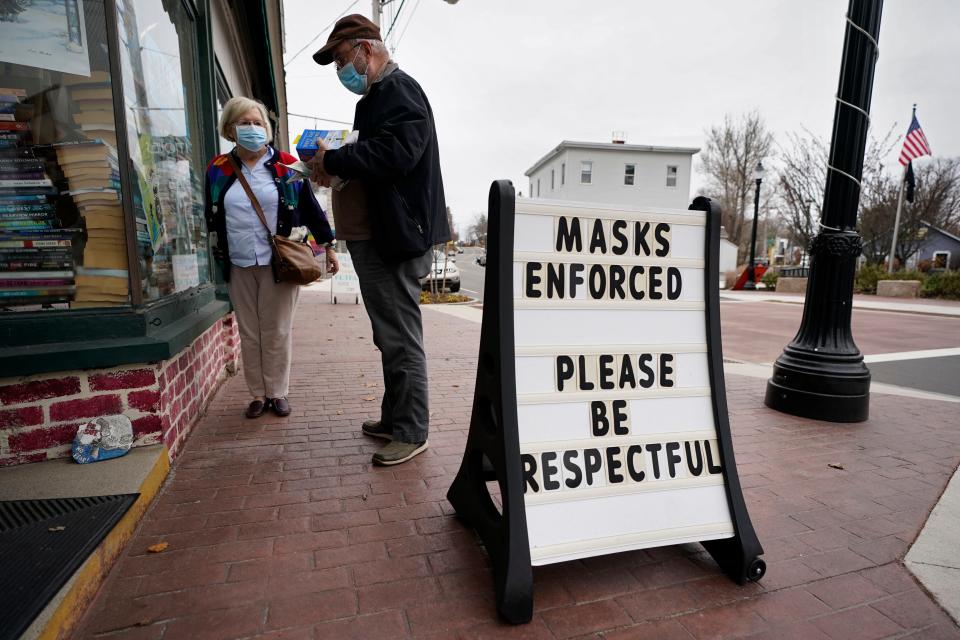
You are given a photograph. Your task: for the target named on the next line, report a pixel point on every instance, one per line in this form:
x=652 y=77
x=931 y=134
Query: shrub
x=770 y=279
x=867 y=277
x=942 y=285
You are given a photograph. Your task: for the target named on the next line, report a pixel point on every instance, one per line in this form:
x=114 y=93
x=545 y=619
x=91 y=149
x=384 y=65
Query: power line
x=395 y=18
x=407 y=26
x=302 y=115
x=322 y=31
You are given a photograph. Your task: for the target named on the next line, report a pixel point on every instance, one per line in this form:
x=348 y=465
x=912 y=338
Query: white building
x=614 y=173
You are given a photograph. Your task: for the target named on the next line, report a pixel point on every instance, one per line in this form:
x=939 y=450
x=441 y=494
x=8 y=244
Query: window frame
x=552 y=179
x=630 y=173
x=946 y=262
x=675 y=175
x=563 y=173
x=588 y=172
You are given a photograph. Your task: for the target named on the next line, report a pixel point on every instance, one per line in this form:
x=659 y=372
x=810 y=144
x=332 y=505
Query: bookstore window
x=157 y=54
x=60 y=210
x=671 y=176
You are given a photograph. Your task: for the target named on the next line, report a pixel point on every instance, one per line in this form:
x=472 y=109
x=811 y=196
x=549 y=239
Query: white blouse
x=246 y=236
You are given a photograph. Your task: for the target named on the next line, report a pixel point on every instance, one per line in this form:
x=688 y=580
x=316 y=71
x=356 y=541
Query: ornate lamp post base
x=801 y=386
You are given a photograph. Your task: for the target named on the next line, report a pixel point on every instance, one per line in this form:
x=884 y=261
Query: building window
x=671 y=175
x=629 y=173
x=538 y=187
x=62 y=226
x=563 y=173
x=158 y=54
x=586 y=172
x=551 y=179
x=941 y=259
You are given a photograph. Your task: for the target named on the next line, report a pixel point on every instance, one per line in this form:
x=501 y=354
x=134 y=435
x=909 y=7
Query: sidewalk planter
x=898 y=288
x=791 y=285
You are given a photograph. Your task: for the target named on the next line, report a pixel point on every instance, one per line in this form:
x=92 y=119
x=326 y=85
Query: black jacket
x=296 y=205
x=397 y=159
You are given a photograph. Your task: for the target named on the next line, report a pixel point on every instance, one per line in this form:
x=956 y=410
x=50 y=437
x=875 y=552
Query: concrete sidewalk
x=281 y=528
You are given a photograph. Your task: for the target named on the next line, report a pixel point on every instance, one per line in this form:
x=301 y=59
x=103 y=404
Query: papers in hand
x=300 y=170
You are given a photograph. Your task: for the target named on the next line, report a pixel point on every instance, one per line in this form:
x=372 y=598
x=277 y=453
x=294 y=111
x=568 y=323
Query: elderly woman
x=263 y=306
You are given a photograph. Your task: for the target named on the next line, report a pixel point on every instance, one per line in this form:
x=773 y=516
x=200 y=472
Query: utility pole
x=377 y=12
x=821 y=374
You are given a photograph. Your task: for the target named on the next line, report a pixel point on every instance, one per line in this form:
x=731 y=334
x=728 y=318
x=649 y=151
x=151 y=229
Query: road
x=471 y=274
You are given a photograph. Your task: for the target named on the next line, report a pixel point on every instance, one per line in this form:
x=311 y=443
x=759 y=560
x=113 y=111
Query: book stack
x=36 y=256
x=93 y=98
x=91 y=170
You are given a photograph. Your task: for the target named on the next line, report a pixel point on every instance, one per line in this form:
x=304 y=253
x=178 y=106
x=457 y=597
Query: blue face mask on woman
x=251 y=137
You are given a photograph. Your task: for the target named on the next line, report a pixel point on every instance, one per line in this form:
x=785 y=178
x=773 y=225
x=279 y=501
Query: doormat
x=43 y=543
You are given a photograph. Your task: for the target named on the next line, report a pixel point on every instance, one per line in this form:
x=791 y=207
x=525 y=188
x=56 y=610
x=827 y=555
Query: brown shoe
x=280 y=406
x=257 y=408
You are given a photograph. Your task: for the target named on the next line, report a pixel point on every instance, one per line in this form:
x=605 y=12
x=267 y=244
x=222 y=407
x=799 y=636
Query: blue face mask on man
x=251 y=137
x=352 y=79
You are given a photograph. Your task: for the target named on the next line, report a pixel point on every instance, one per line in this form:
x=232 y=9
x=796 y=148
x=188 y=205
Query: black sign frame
x=493 y=446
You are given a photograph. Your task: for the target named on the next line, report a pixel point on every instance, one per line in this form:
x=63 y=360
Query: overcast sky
x=509 y=79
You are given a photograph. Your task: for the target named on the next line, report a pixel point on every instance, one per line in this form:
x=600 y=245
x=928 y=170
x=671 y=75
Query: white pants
x=264 y=311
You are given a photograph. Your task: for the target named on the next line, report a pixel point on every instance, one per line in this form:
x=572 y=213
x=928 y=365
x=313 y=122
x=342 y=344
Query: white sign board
x=616 y=427
x=345 y=285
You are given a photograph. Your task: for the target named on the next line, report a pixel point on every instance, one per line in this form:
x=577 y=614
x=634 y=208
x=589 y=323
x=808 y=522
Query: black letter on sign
x=619 y=417
x=612 y=465
x=606 y=372
x=598 y=415
x=644 y=365
x=568 y=234
x=533 y=279
x=529 y=473
x=633 y=451
x=564 y=370
x=592 y=463
x=661 y=235
x=585 y=385
x=712 y=468
x=555 y=280
x=695 y=468
x=640 y=230
x=627 y=377
x=549 y=470
x=635 y=292
x=568 y=462
x=597 y=272
x=673 y=459
x=654 y=450
x=666 y=371
x=674 y=283
x=617 y=230
x=598 y=240
x=655 y=282
x=575 y=278
x=617 y=277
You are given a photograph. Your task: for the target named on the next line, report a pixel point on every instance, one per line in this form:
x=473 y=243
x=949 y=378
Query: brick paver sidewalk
x=281 y=528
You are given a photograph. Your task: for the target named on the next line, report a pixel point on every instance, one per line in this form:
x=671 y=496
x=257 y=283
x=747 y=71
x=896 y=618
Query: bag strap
x=253 y=198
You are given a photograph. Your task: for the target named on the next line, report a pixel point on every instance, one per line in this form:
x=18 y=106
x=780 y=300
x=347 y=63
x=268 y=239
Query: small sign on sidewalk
x=600 y=403
x=345 y=285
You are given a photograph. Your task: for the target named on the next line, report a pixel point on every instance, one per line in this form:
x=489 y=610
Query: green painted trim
x=111 y=352
x=269 y=50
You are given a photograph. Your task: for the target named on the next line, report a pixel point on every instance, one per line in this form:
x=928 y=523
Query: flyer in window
x=49 y=34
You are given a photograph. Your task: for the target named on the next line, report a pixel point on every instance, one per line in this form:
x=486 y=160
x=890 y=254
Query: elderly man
x=391 y=212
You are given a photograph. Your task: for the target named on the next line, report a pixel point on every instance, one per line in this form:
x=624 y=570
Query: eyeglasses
x=338 y=60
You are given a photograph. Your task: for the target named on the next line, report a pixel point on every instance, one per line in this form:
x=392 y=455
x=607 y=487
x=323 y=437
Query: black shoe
x=280 y=406
x=257 y=408
x=377 y=429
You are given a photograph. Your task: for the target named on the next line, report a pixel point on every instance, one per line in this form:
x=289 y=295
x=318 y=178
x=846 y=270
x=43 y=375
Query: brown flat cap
x=347 y=28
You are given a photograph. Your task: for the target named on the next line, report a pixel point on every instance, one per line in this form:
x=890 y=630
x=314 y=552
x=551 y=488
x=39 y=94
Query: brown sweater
x=350 y=215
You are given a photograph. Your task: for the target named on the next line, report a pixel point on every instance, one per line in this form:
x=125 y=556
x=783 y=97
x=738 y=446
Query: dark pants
x=391 y=295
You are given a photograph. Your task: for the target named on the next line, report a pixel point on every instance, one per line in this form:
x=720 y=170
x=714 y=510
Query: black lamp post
x=821 y=373
x=751 y=282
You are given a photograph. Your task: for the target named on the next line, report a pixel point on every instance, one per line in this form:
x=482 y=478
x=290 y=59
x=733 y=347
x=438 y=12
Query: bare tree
x=802 y=178
x=454 y=236
x=733 y=150
x=478 y=230
x=936 y=201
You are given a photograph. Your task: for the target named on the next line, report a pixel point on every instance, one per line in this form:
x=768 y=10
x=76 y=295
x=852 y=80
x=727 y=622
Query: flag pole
x=896 y=221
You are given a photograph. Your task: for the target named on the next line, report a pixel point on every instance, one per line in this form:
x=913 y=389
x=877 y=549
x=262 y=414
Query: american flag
x=915 y=144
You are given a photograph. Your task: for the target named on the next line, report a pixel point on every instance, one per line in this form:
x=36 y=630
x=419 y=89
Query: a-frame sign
x=600 y=405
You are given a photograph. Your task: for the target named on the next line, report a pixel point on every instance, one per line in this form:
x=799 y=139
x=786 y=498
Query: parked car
x=482 y=259
x=445 y=280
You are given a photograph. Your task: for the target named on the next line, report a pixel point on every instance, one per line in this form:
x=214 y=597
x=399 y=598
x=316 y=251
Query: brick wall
x=39 y=415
